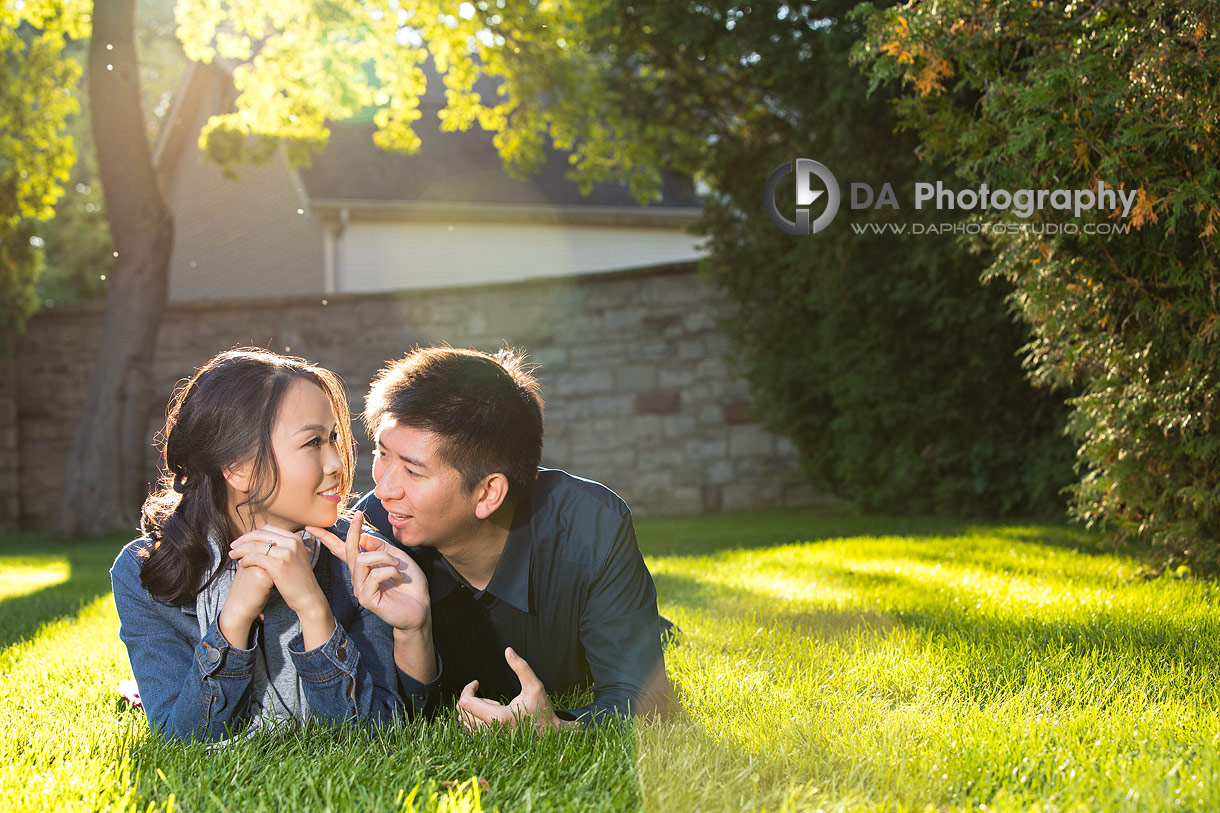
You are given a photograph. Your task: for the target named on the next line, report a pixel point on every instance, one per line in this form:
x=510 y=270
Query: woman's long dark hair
x=222 y=417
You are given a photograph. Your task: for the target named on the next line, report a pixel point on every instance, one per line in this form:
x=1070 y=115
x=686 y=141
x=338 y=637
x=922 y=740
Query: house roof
x=451 y=175
x=461 y=167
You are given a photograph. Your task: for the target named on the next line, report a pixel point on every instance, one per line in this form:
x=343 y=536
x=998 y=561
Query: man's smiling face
x=423 y=494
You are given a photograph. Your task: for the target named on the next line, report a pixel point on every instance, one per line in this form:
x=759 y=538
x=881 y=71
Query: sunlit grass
x=824 y=661
x=986 y=667
x=20 y=576
x=59 y=719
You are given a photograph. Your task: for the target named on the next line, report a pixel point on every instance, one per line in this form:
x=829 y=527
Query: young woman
x=235 y=617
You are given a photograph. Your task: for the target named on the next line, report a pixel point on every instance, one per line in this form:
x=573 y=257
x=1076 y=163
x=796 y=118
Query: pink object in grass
x=130 y=692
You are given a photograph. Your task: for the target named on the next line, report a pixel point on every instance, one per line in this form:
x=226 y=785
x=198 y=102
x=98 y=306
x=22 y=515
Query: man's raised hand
x=385 y=580
x=531 y=705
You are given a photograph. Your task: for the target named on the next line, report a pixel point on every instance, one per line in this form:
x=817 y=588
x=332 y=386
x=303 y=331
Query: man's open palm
x=531 y=705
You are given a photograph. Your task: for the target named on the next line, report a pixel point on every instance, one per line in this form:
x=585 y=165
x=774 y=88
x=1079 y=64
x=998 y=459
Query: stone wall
x=10 y=500
x=639 y=394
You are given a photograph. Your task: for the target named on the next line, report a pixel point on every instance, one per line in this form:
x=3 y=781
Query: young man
x=536 y=581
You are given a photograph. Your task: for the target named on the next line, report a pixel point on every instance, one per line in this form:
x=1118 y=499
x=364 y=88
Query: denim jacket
x=193 y=688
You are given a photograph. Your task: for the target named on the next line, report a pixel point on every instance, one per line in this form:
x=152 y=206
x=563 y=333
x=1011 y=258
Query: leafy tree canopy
x=36 y=153
x=1068 y=96
x=300 y=64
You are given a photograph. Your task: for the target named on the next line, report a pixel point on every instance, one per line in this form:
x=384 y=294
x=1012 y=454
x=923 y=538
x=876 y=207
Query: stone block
x=643 y=430
x=654 y=350
x=676 y=289
x=569 y=410
x=684 y=500
x=750 y=439
x=606 y=295
x=737 y=412
x=690 y=474
x=731 y=390
x=658 y=459
x=711 y=369
x=624 y=318
x=662 y=501
x=652 y=482
x=691 y=349
x=584 y=382
x=615 y=405
x=624 y=460
x=703 y=449
x=711 y=415
x=589 y=442
x=635 y=377
x=555 y=452
x=551 y=359
x=700 y=320
x=699 y=392
x=718 y=346
x=719 y=472
x=671 y=376
x=662 y=324
x=680 y=426
x=603 y=426
x=602 y=354
x=658 y=402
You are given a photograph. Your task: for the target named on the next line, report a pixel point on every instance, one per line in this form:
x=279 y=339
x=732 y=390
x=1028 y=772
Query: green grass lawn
x=825 y=661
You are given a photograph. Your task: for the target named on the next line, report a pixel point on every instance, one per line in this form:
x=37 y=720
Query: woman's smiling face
x=305 y=441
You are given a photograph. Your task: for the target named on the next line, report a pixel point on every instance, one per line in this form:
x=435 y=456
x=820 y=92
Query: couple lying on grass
x=250 y=600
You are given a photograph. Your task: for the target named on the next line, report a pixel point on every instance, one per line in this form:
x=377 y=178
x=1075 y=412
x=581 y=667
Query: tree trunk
x=103 y=479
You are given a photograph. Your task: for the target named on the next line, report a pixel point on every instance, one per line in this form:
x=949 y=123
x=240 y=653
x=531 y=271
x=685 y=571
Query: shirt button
x=213 y=654
x=341 y=652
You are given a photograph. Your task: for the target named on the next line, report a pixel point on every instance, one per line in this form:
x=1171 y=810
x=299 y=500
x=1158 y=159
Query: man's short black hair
x=486 y=408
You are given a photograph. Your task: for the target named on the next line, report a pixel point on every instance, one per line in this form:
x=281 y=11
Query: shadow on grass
x=767 y=609
x=88 y=579
x=700 y=535
x=993 y=654
x=1072 y=538
x=1107 y=632
x=703 y=535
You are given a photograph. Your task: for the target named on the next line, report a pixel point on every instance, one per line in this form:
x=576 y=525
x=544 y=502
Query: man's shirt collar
x=511 y=581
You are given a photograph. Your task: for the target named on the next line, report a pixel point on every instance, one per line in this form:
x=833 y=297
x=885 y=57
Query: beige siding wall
x=395 y=256
x=257 y=238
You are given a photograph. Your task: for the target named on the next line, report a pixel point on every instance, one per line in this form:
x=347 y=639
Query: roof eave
x=573 y=214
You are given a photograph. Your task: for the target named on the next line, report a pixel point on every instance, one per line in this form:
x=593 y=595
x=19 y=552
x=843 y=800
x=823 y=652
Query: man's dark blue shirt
x=571 y=595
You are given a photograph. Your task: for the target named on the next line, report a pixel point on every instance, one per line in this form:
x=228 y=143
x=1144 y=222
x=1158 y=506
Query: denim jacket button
x=213 y=654
x=341 y=652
